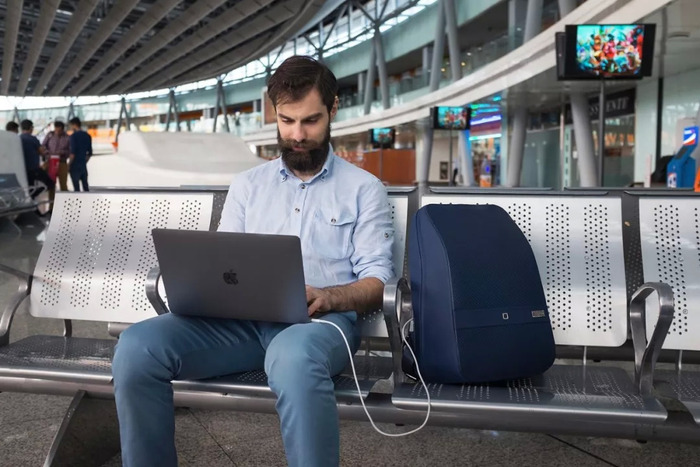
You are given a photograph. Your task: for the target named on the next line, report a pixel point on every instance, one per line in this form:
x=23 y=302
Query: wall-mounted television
x=605 y=51
x=382 y=137
x=450 y=118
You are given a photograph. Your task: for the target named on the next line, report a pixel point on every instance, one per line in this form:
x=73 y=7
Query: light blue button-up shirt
x=342 y=216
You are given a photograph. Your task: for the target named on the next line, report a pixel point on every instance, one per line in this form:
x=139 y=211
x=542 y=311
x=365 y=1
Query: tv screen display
x=451 y=118
x=381 y=137
x=607 y=51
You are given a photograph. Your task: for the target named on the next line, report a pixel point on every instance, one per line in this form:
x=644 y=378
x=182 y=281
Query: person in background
x=33 y=151
x=80 y=153
x=12 y=127
x=57 y=143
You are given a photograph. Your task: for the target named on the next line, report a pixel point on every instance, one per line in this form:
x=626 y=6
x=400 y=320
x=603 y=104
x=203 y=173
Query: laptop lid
x=232 y=275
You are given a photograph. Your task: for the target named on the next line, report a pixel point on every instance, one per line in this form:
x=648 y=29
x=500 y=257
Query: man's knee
x=295 y=367
x=134 y=358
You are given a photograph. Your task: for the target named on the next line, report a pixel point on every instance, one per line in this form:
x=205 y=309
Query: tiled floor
x=215 y=438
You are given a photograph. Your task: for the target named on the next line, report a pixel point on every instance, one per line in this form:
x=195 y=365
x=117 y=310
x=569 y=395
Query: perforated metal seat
x=89 y=361
x=562 y=394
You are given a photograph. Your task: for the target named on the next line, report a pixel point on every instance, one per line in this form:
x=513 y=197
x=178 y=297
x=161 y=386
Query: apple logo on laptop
x=230 y=277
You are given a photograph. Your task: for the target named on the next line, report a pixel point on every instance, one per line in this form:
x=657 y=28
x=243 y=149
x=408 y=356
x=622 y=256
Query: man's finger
x=314 y=306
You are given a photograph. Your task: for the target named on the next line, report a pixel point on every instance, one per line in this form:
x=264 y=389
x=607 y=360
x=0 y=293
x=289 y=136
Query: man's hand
x=361 y=296
x=318 y=300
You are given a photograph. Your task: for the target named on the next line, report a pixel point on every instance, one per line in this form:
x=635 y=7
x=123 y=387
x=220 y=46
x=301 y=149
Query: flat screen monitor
x=450 y=118
x=606 y=51
x=382 y=137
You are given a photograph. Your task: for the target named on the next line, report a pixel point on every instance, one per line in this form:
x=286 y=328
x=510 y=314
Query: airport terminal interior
x=579 y=118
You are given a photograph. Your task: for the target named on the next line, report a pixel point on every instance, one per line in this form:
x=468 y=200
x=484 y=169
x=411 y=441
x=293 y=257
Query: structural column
x=438 y=49
x=424 y=146
x=583 y=132
x=371 y=73
x=381 y=67
x=533 y=24
x=450 y=13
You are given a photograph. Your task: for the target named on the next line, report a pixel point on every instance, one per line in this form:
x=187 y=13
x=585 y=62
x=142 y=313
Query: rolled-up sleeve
x=233 y=213
x=373 y=236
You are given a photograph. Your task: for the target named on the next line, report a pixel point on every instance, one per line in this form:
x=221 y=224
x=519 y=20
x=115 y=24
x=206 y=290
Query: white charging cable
x=359 y=391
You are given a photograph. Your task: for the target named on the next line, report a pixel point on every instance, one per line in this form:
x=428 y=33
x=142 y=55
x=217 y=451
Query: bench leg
x=89 y=433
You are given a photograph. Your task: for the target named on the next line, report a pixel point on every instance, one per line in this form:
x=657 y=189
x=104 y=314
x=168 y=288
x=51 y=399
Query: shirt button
x=296 y=209
x=386 y=235
x=333 y=221
x=303 y=187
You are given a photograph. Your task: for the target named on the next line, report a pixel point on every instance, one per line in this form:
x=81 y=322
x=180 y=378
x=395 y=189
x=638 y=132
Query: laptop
x=232 y=275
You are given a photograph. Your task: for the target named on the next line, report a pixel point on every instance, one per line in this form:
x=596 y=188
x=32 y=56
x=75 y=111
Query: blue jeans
x=299 y=361
x=79 y=177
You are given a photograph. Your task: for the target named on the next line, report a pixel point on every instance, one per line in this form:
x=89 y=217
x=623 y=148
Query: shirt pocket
x=333 y=232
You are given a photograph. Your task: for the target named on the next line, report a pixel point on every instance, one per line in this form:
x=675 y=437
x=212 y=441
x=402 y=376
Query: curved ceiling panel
x=120 y=46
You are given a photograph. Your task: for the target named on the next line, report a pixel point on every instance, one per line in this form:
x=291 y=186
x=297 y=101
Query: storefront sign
x=616 y=105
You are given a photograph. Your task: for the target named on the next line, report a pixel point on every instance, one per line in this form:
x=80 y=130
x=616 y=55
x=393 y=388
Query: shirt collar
x=325 y=171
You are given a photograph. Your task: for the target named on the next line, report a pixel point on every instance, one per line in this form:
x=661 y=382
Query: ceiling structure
x=90 y=47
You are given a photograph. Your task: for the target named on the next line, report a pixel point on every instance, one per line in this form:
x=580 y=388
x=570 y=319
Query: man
x=57 y=143
x=341 y=214
x=12 y=127
x=33 y=151
x=80 y=153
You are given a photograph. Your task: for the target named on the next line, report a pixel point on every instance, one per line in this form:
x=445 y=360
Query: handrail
x=646 y=353
x=152 y=291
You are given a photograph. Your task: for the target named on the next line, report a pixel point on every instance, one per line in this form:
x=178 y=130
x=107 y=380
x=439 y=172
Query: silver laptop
x=232 y=275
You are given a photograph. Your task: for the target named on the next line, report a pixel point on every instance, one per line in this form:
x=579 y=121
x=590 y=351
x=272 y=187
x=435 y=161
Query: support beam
x=517 y=147
x=71 y=111
x=583 y=133
x=438 y=49
x=120 y=10
x=122 y=111
x=220 y=106
x=47 y=12
x=187 y=19
x=424 y=148
x=172 y=108
x=453 y=39
x=75 y=26
x=157 y=65
x=88 y=435
x=371 y=74
x=194 y=63
x=146 y=22
x=12 y=19
x=381 y=68
x=533 y=24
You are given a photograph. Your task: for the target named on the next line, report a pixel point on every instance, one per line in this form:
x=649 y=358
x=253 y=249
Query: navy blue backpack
x=479 y=310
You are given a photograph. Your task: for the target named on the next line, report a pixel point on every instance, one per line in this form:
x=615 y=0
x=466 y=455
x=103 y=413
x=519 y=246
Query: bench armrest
x=397 y=302
x=152 y=291
x=11 y=308
x=646 y=353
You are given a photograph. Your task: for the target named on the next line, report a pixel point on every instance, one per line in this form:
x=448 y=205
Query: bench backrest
x=670 y=237
x=99 y=249
x=577 y=242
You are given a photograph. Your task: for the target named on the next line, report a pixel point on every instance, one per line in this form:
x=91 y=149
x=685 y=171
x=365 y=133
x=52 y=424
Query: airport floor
x=28 y=422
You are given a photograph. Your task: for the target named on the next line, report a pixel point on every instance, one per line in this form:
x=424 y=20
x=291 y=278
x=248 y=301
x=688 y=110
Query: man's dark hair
x=296 y=76
x=12 y=126
x=75 y=121
x=59 y=124
x=26 y=125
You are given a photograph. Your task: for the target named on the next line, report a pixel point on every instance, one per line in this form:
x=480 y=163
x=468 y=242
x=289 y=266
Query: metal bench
x=14 y=200
x=94 y=266
x=578 y=243
x=670 y=247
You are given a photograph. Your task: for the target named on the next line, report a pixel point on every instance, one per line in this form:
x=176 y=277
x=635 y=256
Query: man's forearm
x=361 y=296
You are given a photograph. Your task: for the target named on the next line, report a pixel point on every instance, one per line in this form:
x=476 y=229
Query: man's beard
x=308 y=161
